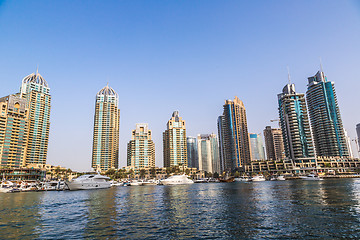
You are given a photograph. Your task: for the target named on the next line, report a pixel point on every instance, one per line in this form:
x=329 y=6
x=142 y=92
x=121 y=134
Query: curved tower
x=105 y=154
x=36 y=91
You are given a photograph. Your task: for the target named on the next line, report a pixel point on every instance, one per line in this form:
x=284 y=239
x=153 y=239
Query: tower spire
x=321 y=67
x=289 y=79
x=37 y=69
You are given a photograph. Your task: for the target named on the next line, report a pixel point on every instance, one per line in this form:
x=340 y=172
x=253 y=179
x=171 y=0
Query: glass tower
x=324 y=112
x=295 y=124
x=36 y=91
x=274 y=143
x=257 y=147
x=105 y=153
x=141 y=148
x=192 y=154
x=234 y=143
x=208 y=153
x=174 y=142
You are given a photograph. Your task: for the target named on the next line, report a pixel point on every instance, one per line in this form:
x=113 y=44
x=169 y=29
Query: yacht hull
x=86 y=186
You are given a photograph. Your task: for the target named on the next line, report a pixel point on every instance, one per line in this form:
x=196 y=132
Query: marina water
x=264 y=210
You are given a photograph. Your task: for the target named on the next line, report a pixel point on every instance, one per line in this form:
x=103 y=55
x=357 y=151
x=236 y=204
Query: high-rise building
x=141 y=148
x=13 y=131
x=295 y=124
x=208 y=153
x=192 y=153
x=257 y=147
x=105 y=153
x=234 y=135
x=324 y=112
x=274 y=144
x=220 y=124
x=348 y=143
x=174 y=142
x=358 y=135
x=36 y=91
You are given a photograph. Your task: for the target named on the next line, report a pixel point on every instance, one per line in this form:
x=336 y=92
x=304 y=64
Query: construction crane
x=276 y=120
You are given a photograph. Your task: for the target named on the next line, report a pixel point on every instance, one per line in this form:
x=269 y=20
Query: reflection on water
x=268 y=210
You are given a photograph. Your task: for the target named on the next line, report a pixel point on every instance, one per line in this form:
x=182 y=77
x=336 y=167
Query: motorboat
x=115 y=183
x=200 y=180
x=89 y=181
x=150 y=182
x=280 y=178
x=136 y=183
x=242 y=179
x=258 y=178
x=177 y=180
x=8 y=187
x=28 y=186
x=311 y=176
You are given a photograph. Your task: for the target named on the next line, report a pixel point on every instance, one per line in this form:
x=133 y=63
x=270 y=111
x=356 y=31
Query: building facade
x=141 y=148
x=324 y=112
x=36 y=91
x=295 y=124
x=192 y=153
x=234 y=143
x=348 y=144
x=174 y=142
x=208 y=153
x=105 y=154
x=274 y=144
x=13 y=131
x=358 y=136
x=257 y=147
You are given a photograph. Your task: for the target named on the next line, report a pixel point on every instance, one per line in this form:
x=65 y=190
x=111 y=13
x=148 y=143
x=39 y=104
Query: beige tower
x=174 y=142
x=274 y=143
x=13 y=131
x=141 y=148
x=106 y=130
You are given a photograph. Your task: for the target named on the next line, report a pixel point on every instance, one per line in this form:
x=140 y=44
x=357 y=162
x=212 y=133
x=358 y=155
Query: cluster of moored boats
x=31 y=186
x=97 y=181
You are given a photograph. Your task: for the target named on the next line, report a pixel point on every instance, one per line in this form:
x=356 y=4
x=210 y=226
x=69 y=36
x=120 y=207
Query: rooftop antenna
x=37 y=69
x=321 y=67
x=289 y=75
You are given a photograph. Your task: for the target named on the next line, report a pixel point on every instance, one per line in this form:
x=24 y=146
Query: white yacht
x=281 y=178
x=150 y=182
x=7 y=186
x=258 y=178
x=311 y=176
x=89 y=181
x=136 y=183
x=176 y=180
x=242 y=179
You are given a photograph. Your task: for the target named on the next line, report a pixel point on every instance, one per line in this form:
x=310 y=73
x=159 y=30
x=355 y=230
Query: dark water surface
x=264 y=210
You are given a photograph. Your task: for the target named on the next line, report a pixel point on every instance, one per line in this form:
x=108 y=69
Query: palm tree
x=142 y=173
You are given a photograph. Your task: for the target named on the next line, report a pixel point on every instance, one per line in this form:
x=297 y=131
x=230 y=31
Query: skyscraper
x=13 y=131
x=220 y=124
x=36 y=91
x=348 y=144
x=358 y=135
x=141 y=148
x=326 y=123
x=295 y=125
x=233 y=130
x=105 y=153
x=274 y=143
x=192 y=153
x=208 y=153
x=257 y=147
x=174 y=142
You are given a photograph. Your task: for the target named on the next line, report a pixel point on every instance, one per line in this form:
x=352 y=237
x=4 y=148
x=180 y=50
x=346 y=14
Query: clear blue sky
x=162 y=56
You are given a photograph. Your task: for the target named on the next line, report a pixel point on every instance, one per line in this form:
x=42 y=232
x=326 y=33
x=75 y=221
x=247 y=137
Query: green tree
x=216 y=175
x=142 y=173
x=237 y=174
x=187 y=171
x=153 y=172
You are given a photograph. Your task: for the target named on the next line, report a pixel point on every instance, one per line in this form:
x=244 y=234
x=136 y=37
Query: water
x=264 y=210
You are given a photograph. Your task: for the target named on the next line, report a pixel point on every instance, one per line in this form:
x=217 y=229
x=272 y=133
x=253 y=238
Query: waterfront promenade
x=297 y=209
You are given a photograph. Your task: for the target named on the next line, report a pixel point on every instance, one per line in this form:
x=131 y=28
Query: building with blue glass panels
x=36 y=91
x=256 y=147
x=105 y=153
x=295 y=124
x=233 y=131
x=192 y=153
x=325 y=118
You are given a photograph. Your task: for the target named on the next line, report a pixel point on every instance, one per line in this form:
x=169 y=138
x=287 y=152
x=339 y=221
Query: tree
x=131 y=173
x=142 y=173
x=216 y=175
x=237 y=174
x=187 y=171
x=153 y=172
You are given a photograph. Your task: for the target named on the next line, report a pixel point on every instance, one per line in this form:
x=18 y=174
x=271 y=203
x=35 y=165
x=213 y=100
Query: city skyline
x=223 y=52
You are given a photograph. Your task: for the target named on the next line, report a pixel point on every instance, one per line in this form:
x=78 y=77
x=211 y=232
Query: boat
x=150 y=182
x=89 y=181
x=280 y=178
x=258 y=178
x=177 y=180
x=311 y=176
x=8 y=187
x=115 y=183
x=136 y=183
x=242 y=179
x=28 y=186
x=200 y=180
